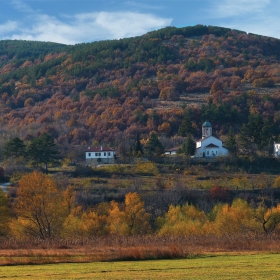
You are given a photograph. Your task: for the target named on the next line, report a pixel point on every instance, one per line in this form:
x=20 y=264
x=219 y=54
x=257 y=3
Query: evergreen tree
x=42 y=150
x=267 y=133
x=188 y=147
x=250 y=133
x=186 y=127
x=230 y=142
x=14 y=149
x=154 y=147
x=138 y=147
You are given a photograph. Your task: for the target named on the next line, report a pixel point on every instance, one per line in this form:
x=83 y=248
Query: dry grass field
x=244 y=266
x=117 y=248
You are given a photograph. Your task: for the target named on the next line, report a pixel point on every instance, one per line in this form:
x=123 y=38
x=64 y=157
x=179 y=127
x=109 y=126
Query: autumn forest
x=141 y=96
x=109 y=91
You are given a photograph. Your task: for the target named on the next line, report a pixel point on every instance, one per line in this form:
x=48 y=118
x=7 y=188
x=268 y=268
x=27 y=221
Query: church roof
x=207 y=124
x=211 y=146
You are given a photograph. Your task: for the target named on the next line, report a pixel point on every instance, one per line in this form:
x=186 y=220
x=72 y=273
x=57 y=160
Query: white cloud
x=140 y=5
x=21 y=6
x=129 y=24
x=229 y=8
x=254 y=16
x=86 y=27
x=9 y=26
x=261 y=25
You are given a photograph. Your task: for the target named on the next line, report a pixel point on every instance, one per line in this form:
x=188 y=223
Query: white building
x=172 y=151
x=209 y=146
x=276 y=150
x=100 y=155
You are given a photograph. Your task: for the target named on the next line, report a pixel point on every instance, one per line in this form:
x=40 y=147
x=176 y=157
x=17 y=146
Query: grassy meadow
x=244 y=266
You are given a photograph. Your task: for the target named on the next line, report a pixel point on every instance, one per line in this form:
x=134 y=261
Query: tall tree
x=40 y=206
x=230 y=142
x=154 y=147
x=250 y=133
x=14 y=149
x=42 y=150
x=135 y=216
x=138 y=147
x=186 y=127
x=188 y=147
x=4 y=214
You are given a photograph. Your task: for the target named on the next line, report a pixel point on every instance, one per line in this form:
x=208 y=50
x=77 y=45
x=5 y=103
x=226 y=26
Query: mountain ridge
x=111 y=90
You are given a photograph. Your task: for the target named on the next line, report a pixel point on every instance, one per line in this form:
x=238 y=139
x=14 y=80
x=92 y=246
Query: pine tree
x=154 y=147
x=138 y=147
x=231 y=143
x=250 y=133
x=188 y=147
x=186 y=127
x=14 y=149
x=42 y=150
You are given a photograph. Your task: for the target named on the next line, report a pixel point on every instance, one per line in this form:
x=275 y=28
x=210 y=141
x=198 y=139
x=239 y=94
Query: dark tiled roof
x=172 y=150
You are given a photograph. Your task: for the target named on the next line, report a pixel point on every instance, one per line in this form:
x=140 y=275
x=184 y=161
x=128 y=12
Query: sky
x=79 y=21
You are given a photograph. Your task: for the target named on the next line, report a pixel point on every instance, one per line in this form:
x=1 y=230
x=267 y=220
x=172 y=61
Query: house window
x=216 y=152
x=109 y=153
x=207 y=152
x=96 y=154
x=89 y=154
x=104 y=154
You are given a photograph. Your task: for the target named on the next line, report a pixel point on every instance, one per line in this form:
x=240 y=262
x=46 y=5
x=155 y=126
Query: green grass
x=260 y=266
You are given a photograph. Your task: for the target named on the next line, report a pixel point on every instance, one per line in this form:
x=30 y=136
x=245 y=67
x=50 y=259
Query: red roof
x=100 y=149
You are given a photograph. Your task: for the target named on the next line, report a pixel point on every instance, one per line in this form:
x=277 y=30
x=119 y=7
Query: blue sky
x=78 y=21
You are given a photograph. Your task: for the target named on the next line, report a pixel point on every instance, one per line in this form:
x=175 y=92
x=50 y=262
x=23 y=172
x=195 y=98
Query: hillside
x=109 y=91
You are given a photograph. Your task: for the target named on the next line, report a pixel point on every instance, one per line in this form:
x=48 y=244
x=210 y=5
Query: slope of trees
x=109 y=91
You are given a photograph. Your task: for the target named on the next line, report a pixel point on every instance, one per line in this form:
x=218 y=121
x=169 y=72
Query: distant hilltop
x=109 y=91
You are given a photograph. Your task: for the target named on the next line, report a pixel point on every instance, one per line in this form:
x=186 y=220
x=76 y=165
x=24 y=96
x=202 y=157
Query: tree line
x=42 y=209
x=41 y=150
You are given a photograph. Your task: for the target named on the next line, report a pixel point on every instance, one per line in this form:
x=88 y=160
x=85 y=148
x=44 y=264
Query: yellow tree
x=116 y=219
x=69 y=196
x=276 y=183
x=4 y=214
x=94 y=224
x=182 y=220
x=72 y=226
x=135 y=216
x=132 y=220
x=40 y=206
x=235 y=218
x=269 y=218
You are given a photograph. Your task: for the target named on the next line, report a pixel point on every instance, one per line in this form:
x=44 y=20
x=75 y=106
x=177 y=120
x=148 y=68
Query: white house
x=100 y=155
x=276 y=150
x=172 y=151
x=209 y=146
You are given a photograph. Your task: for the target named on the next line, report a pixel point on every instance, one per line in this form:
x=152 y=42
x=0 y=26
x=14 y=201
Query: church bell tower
x=206 y=130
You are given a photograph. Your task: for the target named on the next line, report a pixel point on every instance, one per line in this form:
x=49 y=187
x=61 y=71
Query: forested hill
x=112 y=90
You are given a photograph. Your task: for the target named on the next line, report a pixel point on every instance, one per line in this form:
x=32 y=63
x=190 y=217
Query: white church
x=209 y=146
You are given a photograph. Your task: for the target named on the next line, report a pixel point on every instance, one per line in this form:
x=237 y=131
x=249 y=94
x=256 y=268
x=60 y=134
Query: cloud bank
x=230 y=8
x=83 y=27
x=254 y=16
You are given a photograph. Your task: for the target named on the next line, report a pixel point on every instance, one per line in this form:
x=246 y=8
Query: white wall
x=213 y=151
x=96 y=155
